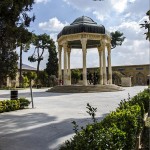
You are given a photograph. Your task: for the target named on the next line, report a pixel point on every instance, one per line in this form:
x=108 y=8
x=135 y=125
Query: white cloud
x=42 y=1
x=53 y=25
x=135 y=48
x=131 y=52
x=119 y=5
x=100 y=9
x=132 y=1
x=101 y=6
x=127 y=15
x=99 y=16
x=130 y=29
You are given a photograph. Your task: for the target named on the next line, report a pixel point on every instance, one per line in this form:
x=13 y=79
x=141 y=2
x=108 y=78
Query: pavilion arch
x=140 y=79
x=83 y=34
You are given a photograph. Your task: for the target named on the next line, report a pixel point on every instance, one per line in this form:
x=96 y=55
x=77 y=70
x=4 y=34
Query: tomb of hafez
x=84 y=33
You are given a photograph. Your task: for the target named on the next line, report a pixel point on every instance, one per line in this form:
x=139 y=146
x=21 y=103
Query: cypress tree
x=52 y=65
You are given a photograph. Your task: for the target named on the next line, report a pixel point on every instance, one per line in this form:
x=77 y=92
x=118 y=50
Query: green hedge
x=11 y=105
x=117 y=131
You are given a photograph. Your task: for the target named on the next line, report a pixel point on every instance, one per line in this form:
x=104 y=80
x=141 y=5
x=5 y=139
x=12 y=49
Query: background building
x=139 y=73
x=15 y=83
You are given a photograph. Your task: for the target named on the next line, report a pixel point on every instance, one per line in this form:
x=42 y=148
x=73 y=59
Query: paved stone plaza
x=49 y=124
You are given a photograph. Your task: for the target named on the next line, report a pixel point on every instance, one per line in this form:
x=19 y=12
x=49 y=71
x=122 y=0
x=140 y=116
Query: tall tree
x=13 y=14
x=41 y=42
x=117 y=39
x=146 y=25
x=24 y=44
x=52 y=65
x=8 y=65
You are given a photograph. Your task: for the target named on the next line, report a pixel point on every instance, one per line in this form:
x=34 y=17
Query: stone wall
x=126 y=82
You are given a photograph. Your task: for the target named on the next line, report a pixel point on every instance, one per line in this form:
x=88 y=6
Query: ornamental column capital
x=65 y=45
x=99 y=48
x=69 y=49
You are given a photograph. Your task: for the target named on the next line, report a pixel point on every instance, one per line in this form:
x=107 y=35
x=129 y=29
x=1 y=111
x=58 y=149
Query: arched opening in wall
x=148 y=80
x=140 y=79
x=116 y=77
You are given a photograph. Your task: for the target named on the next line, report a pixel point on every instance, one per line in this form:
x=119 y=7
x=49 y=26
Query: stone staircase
x=85 y=89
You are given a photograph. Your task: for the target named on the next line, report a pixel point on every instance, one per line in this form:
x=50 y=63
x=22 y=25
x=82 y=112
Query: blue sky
x=122 y=15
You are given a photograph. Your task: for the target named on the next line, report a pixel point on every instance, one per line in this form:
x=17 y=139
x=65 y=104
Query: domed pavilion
x=84 y=33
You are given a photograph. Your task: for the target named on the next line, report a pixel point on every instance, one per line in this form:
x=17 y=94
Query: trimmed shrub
x=127 y=120
x=142 y=99
x=24 y=103
x=117 y=131
x=11 y=105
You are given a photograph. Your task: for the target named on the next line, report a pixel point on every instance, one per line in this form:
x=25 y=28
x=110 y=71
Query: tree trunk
x=20 y=71
x=31 y=93
x=38 y=68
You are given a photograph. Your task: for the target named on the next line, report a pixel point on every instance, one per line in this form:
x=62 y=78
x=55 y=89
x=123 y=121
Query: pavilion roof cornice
x=79 y=36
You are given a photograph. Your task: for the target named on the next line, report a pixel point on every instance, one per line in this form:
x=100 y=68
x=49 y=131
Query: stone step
x=85 y=89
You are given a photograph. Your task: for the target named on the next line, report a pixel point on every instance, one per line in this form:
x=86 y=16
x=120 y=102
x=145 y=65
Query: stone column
x=65 y=63
x=83 y=43
x=104 y=64
x=100 y=51
x=109 y=64
x=59 y=65
x=69 y=72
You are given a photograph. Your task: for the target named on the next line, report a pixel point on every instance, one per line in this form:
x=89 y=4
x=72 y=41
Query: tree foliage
x=52 y=65
x=75 y=75
x=43 y=77
x=24 y=43
x=8 y=62
x=41 y=42
x=146 y=25
x=117 y=39
x=30 y=75
x=13 y=19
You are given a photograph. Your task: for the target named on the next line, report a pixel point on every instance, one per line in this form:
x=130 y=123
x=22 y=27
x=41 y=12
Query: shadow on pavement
x=35 y=131
x=35 y=94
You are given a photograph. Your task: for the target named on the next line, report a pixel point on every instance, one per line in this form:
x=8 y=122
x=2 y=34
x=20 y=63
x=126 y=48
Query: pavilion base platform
x=85 y=89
